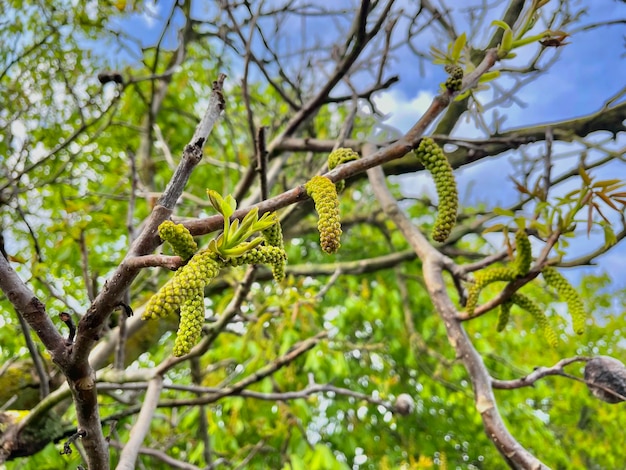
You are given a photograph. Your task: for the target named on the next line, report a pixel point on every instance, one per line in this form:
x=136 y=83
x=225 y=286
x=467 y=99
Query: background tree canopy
x=397 y=351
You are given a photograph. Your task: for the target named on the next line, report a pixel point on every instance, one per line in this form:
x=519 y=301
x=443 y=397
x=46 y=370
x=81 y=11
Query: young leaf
x=609 y=235
x=507 y=41
x=609 y=184
x=504 y=212
x=216 y=200
x=459 y=44
x=584 y=175
x=228 y=206
x=250 y=219
x=500 y=24
x=607 y=200
x=487 y=77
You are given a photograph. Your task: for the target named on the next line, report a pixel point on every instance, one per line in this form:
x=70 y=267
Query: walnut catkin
x=434 y=160
x=324 y=194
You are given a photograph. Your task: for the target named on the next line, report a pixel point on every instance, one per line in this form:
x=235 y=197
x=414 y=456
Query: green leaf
x=457 y=49
x=584 y=175
x=216 y=200
x=503 y=212
x=489 y=76
x=251 y=218
x=228 y=206
x=507 y=41
x=495 y=228
x=501 y=24
x=609 y=235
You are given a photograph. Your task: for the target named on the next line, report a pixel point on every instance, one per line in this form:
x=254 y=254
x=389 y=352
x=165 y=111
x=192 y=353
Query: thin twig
x=40 y=368
x=203 y=424
x=261 y=161
x=67 y=450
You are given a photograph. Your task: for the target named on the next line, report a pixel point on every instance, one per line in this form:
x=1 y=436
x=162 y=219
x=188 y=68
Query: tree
x=383 y=354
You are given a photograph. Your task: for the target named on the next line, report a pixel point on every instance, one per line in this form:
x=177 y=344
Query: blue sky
x=587 y=72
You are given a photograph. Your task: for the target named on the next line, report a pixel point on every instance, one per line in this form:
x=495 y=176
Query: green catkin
x=434 y=160
x=190 y=326
x=503 y=315
x=179 y=238
x=324 y=194
x=195 y=275
x=454 y=82
x=531 y=307
x=339 y=157
x=523 y=256
x=484 y=278
x=274 y=238
x=274 y=235
x=270 y=255
x=574 y=304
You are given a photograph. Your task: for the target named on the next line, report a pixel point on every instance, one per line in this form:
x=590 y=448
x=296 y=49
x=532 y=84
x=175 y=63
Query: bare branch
x=141 y=427
x=537 y=374
x=433 y=263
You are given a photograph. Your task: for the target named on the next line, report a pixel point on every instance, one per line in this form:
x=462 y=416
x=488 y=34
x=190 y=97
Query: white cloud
x=402 y=113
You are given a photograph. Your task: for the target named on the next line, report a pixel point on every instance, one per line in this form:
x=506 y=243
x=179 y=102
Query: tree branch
x=137 y=434
x=433 y=263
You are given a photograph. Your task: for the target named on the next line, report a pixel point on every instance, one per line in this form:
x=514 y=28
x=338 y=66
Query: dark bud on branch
x=127 y=310
x=67 y=319
x=67 y=450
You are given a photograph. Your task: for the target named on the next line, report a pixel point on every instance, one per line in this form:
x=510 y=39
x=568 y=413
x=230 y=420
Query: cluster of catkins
x=434 y=160
x=185 y=291
x=519 y=267
x=324 y=194
x=455 y=78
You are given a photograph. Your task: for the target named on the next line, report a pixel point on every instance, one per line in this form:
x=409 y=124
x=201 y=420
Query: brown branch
x=32 y=310
x=537 y=374
x=73 y=360
x=433 y=263
x=137 y=434
x=473 y=150
x=394 y=151
x=261 y=162
x=171 y=462
x=40 y=368
x=359 y=39
x=203 y=421
x=152 y=261
x=67 y=449
x=90 y=326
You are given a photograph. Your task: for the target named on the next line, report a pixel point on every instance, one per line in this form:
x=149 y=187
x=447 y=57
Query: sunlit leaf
x=457 y=49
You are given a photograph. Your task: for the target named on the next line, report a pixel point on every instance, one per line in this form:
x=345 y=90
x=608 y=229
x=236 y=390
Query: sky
x=587 y=71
